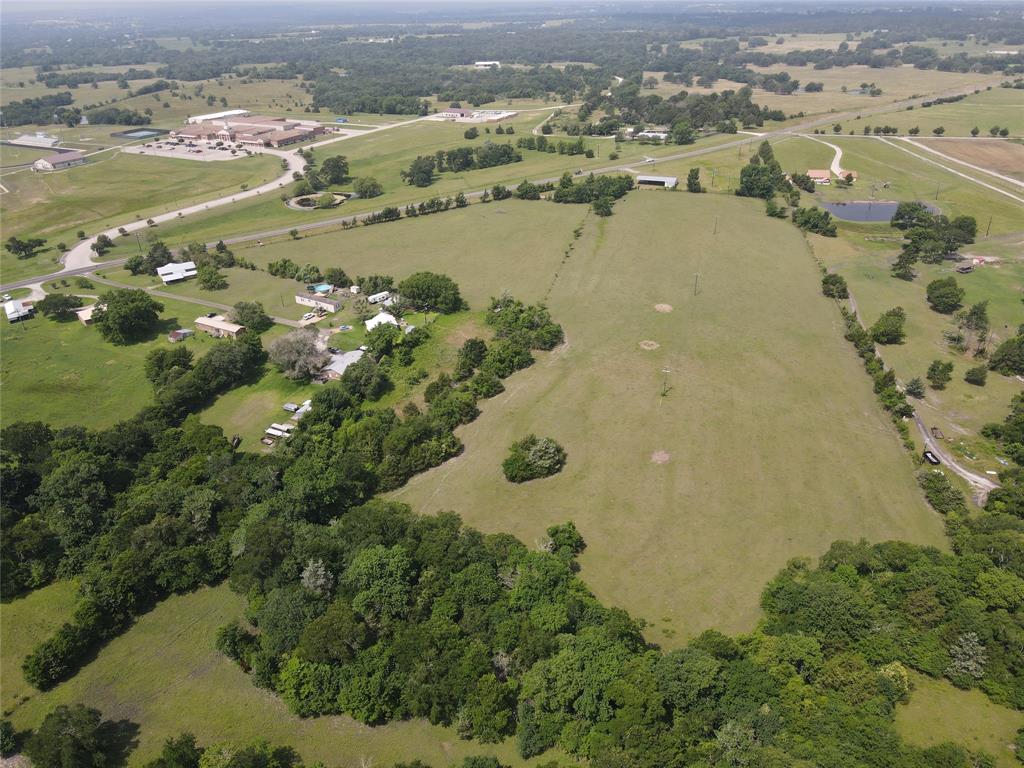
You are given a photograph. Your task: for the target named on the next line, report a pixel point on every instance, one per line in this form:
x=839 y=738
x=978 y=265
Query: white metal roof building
x=384 y=318
x=175 y=271
x=658 y=181
x=37 y=139
x=16 y=310
x=218 y=115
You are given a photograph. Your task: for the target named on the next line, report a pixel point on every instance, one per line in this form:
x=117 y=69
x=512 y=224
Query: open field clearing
x=16 y=84
x=793 y=42
x=961 y=409
x=165 y=675
x=473 y=245
x=108 y=191
x=673 y=446
x=938 y=712
x=65 y=373
x=896 y=83
x=1005 y=157
x=1003 y=107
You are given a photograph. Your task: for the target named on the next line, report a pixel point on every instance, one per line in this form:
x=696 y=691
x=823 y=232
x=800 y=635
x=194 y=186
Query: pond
x=865 y=210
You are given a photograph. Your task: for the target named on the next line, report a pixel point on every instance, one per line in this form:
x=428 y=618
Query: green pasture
x=12 y=157
x=64 y=373
x=999 y=106
x=110 y=190
x=165 y=676
x=674 y=452
x=938 y=713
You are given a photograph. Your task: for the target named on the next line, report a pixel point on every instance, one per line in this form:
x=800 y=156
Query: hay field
x=1005 y=157
x=775 y=446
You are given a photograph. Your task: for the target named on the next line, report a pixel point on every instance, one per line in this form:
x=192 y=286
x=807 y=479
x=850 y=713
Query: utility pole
x=712 y=177
x=989 y=227
x=139 y=241
x=937 y=190
x=716 y=226
x=696 y=283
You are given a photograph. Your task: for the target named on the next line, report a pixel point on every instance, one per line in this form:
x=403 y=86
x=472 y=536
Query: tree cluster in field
x=422 y=170
x=886 y=388
x=1008 y=357
x=600 y=191
x=285 y=267
x=815 y=220
x=834 y=286
x=544 y=144
x=928 y=237
x=532 y=458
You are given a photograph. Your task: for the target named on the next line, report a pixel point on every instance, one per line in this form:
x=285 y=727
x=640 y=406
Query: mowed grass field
x=750 y=429
x=1003 y=107
x=110 y=190
x=1004 y=157
x=938 y=712
x=165 y=676
x=64 y=373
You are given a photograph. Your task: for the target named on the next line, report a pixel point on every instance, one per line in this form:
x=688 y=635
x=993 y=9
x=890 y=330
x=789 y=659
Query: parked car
x=931 y=458
x=308 y=316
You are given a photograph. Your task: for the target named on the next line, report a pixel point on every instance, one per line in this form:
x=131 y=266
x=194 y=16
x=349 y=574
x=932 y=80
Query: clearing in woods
x=776 y=445
x=165 y=675
x=938 y=712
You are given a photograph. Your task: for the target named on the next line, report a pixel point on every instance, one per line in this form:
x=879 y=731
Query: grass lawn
x=938 y=712
x=745 y=366
x=12 y=157
x=108 y=191
x=165 y=675
x=64 y=373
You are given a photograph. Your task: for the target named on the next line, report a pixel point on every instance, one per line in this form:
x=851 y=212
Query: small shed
x=18 y=310
x=180 y=335
x=664 y=182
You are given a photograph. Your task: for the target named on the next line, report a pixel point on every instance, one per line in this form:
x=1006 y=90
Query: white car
x=309 y=316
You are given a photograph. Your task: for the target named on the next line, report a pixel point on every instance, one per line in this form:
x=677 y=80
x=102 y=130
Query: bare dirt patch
x=660 y=457
x=650 y=346
x=662 y=307
x=1004 y=157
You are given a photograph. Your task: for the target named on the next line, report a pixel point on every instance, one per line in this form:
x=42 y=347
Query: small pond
x=865 y=210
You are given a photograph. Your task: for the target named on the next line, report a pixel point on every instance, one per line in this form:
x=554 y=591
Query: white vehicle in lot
x=309 y=316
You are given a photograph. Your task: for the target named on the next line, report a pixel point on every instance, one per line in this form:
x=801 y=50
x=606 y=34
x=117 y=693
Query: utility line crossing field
x=746 y=435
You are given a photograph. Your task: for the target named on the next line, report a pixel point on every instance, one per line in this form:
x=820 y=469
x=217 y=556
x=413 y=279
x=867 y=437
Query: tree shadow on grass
x=119 y=738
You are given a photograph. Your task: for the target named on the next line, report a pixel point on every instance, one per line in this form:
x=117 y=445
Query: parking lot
x=198 y=150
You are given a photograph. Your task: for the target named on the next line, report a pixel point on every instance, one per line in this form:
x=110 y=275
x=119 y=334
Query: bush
x=915 y=388
x=533 y=458
x=944 y=295
x=834 y=286
x=814 y=220
x=939 y=374
x=1008 y=359
x=977 y=376
x=943 y=497
x=367 y=186
x=888 y=329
